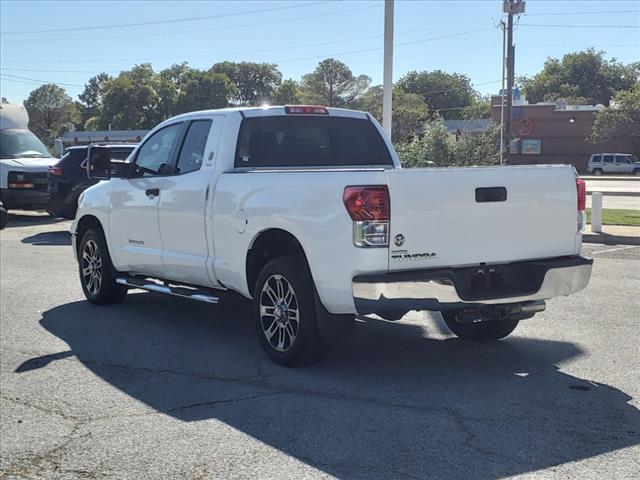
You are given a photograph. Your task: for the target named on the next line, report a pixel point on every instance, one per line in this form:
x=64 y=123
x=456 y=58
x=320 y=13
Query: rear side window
x=608 y=159
x=307 y=141
x=192 y=152
x=596 y=159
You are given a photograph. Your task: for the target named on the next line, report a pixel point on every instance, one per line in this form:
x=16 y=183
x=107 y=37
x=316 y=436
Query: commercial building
x=549 y=132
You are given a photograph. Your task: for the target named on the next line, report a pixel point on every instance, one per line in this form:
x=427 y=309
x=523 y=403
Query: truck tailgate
x=466 y=216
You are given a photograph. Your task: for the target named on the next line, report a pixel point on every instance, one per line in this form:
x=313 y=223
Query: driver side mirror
x=99 y=163
x=100 y=166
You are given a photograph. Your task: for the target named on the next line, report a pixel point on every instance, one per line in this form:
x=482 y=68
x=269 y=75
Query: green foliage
x=132 y=100
x=583 y=77
x=444 y=93
x=438 y=148
x=51 y=111
x=409 y=110
x=204 y=90
x=287 y=93
x=256 y=83
x=623 y=116
x=91 y=96
x=480 y=108
x=333 y=84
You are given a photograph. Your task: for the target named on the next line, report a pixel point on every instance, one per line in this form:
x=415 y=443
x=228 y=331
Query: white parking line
x=615 y=249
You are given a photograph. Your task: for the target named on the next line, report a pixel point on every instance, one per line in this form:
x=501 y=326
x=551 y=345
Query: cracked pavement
x=160 y=387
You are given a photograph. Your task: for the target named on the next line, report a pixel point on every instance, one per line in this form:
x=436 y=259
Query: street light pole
x=387 y=78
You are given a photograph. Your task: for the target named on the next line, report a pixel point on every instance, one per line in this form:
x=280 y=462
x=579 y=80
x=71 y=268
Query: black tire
x=103 y=289
x=636 y=172
x=291 y=320
x=485 y=331
x=4 y=217
x=597 y=171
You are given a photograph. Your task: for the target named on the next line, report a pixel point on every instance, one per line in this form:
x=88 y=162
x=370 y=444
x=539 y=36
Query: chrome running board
x=178 y=291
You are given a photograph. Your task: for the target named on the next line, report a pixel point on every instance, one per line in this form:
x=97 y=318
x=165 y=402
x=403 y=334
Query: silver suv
x=616 y=163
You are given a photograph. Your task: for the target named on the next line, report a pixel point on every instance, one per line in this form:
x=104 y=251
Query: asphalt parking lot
x=163 y=388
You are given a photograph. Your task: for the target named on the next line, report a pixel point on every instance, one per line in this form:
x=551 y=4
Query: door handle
x=152 y=192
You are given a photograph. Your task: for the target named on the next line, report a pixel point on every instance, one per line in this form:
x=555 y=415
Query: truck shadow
x=388 y=403
x=32 y=219
x=49 y=238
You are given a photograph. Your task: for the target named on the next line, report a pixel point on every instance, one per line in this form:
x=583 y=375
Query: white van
x=24 y=161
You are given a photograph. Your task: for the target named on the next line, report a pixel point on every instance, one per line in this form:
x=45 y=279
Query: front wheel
x=97 y=275
x=286 y=319
x=482 y=331
x=636 y=172
x=597 y=172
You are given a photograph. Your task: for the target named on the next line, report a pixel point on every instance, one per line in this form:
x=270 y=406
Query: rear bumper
x=27 y=199
x=451 y=288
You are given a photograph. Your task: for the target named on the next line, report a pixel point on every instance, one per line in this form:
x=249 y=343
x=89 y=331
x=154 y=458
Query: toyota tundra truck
x=306 y=211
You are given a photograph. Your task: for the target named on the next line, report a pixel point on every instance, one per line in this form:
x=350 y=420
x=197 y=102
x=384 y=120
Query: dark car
x=68 y=178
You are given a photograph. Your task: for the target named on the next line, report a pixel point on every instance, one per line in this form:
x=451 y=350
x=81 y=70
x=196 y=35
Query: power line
x=579 y=13
x=372 y=49
x=191 y=31
x=161 y=22
x=578 y=26
x=17 y=77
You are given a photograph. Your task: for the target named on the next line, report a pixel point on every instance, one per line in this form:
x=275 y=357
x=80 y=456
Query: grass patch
x=617 y=216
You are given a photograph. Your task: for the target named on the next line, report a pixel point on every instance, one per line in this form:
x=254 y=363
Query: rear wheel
x=285 y=313
x=481 y=331
x=597 y=171
x=97 y=275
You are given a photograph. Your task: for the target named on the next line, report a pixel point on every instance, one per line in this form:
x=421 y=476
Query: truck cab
x=24 y=162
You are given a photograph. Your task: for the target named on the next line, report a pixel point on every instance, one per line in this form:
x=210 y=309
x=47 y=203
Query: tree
x=333 y=84
x=131 y=101
x=51 y=111
x=172 y=80
x=287 y=93
x=623 y=117
x=256 y=83
x=204 y=90
x=93 y=93
x=438 y=148
x=480 y=108
x=409 y=110
x=581 y=77
x=444 y=93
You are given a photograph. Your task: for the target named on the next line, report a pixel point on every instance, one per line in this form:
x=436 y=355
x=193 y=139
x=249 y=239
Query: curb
x=615 y=194
x=607 y=239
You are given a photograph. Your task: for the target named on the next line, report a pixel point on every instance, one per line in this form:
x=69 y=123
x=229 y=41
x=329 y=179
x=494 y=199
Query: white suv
x=616 y=163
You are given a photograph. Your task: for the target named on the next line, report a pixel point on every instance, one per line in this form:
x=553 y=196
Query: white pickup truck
x=306 y=210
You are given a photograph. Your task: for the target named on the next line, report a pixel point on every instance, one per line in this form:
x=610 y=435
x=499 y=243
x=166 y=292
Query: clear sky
x=68 y=42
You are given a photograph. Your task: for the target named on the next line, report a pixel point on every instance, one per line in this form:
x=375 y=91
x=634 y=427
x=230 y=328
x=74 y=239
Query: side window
x=597 y=159
x=154 y=155
x=192 y=153
x=608 y=159
x=622 y=159
x=119 y=154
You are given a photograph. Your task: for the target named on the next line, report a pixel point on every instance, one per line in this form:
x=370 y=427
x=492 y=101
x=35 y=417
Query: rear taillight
x=369 y=208
x=581 y=187
x=55 y=171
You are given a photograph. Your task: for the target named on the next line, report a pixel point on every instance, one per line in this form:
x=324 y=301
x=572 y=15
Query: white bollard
x=596 y=212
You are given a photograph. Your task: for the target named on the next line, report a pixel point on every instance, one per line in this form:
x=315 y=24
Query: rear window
x=306 y=141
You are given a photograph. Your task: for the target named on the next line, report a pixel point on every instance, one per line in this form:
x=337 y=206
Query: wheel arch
x=267 y=245
x=84 y=224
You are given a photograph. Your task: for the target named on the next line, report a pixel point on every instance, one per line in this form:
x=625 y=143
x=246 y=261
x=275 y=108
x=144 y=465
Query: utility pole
x=387 y=77
x=504 y=54
x=511 y=8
